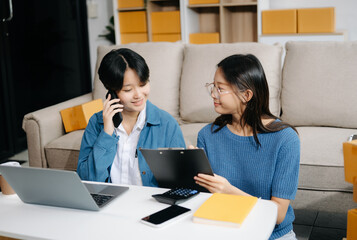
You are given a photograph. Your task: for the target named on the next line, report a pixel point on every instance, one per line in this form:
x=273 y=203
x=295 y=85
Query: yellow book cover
x=225 y=209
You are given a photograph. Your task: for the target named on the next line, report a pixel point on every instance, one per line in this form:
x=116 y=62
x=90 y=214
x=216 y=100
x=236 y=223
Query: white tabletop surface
x=120 y=220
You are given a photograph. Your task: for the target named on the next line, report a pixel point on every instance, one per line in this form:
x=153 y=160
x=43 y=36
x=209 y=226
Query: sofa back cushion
x=320 y=84
x=165 y=63
x=199 y=67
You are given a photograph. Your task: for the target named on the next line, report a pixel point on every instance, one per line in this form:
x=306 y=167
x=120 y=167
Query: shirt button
x=143 y=172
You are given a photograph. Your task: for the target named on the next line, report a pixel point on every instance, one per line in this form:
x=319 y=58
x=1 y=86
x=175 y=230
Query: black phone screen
x=165 y=214
x=117 y=118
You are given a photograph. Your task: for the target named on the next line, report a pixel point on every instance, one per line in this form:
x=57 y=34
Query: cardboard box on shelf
x=132 y=22
x=279 y=21
x=77 y=117
x=133 y=37
x=165 y=22
x=316 y=20
x=130 y=3
x=204 y=38
x=170 y=37
x=202 y=1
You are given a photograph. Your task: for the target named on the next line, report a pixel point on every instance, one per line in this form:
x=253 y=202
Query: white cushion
x=164 y=61
x=199 y=68
x=320 y=84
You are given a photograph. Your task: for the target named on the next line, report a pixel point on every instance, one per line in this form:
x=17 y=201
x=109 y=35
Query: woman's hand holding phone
x=110 y=107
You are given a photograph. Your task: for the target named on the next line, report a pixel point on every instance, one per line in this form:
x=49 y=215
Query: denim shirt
x=98 y=148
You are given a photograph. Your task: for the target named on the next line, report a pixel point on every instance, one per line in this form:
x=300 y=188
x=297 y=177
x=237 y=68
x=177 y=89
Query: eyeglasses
x=212 y=89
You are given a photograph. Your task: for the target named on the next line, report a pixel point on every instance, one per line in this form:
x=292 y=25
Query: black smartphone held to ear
x=117 y=118
x=165 y=216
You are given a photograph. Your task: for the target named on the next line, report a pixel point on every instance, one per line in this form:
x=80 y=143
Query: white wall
x=345 y=12
x=96 y=26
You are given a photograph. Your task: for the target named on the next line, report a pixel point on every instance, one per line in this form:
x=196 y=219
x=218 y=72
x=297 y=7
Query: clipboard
x=177 y=167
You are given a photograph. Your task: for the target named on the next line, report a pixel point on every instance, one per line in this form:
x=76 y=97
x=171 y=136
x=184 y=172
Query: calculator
x=176 y=195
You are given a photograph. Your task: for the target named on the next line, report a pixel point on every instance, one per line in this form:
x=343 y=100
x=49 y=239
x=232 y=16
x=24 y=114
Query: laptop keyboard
x=101 y=199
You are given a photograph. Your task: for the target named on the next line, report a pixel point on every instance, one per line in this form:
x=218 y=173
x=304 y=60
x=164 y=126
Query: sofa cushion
x=199 y=67
x=63 y=152
x=164 y=61
x=190 y=132
x=320 y=84
x=321 y=164
x=323 y=178
x=322 y=146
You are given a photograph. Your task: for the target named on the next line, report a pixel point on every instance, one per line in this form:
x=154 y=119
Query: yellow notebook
x=225 y=209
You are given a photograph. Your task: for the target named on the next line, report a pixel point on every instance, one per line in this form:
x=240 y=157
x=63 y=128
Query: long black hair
x=114 y=64
x=245 y=72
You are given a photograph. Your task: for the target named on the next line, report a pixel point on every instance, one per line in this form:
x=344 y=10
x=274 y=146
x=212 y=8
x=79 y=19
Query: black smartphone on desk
x=117 y=118
x=166 y=216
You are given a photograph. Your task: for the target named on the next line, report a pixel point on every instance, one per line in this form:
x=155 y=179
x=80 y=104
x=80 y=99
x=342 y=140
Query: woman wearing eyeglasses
x=251 y=151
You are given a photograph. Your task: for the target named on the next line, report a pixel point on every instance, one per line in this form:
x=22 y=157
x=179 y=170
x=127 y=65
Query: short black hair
x=114 y=64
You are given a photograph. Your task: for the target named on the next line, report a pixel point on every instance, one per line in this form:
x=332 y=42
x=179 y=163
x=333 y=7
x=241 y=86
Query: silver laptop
x=58 y=188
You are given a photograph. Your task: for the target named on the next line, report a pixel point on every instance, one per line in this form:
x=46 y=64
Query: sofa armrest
x=45 y=125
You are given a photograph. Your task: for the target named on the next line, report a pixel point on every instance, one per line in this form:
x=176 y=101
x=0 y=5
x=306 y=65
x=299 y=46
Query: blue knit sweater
x=269 y=170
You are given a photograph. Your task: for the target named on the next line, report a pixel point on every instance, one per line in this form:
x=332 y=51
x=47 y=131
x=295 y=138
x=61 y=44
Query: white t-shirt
x=125 y=168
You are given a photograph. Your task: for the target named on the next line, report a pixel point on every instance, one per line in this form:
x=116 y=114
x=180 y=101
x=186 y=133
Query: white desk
x=120 y=220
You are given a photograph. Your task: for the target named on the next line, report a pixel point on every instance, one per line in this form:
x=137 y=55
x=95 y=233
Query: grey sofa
x=313 y=90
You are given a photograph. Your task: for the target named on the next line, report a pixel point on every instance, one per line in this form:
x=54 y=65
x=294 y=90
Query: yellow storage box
x=355 y=190
x=350 y=160
x=133 y=22
x=202 y=1
x=351 y=224
x=165 y=22
x=130 y=3
x=173 y=37
x=279 y=21
x=133 y=37
x=77 y=117
x=204 y=38
x=316 y=20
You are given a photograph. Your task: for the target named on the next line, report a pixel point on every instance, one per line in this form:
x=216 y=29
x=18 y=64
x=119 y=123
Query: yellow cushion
x=77 y=117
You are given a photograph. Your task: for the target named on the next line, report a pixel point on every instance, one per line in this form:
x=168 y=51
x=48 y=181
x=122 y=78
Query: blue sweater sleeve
x=96 y=153
x=200 y=141
x=286 y=175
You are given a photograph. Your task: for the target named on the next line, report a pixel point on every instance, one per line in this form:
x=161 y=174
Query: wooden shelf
x=162 y=6
x=131 y=9
x=239 y=24
x=239 y=4
x=302 y=34
x=228 y=4
x=234 y=20
x=204 y=5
